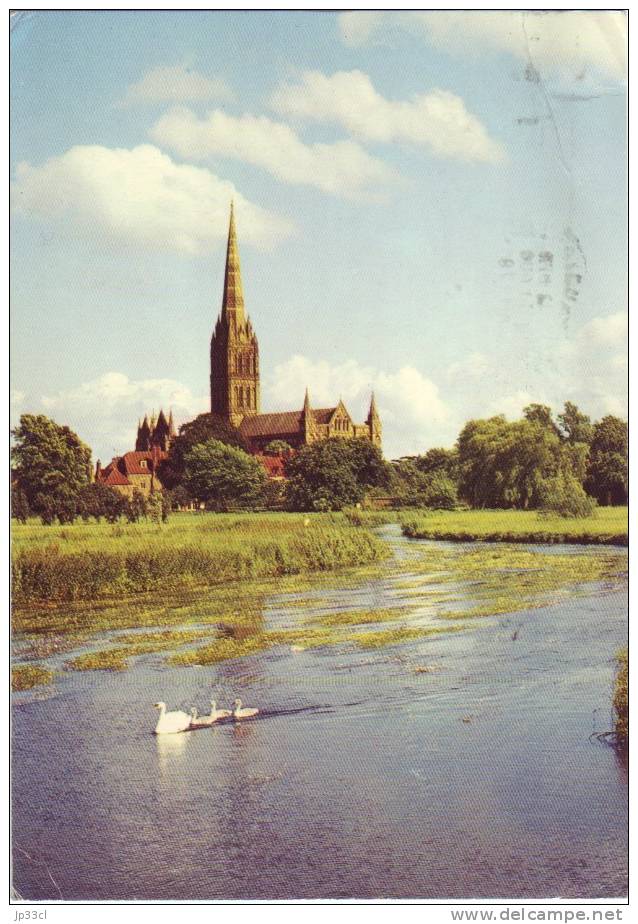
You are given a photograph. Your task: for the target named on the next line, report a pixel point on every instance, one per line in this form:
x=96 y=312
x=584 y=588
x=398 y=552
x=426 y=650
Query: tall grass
x=92 y=561
x=621 y=697
x=608 y=527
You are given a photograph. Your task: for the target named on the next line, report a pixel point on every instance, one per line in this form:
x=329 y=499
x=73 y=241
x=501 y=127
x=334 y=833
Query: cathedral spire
x=306 y=403
x=373 y=414
x=233 y=302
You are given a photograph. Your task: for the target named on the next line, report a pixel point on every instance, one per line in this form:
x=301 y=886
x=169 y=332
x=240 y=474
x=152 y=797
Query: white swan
x=198 y=721
x=216 y=713
x=171 y=722
x=201 y=721
x=239 y=713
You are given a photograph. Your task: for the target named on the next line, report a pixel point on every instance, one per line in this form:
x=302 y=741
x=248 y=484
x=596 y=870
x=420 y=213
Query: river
x=453 y=767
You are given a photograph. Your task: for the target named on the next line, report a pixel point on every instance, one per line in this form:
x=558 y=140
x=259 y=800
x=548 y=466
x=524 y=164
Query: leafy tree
x=575 y=427
x=503 y=464
x=540 y=414
x=445 y=461
x=368 y=465
x=564 y=495
x=180 y=497
x=333 y=473
x=205 y=427
x=441 y=493
x=220 y=475
x=99 y=500
x=607 y=468
x=278 y=448
x=19 y=505
x=65 y=505
x=47 y=457
x=166 y=505
x=45 y=504
x=154 y=507
x=136 y=506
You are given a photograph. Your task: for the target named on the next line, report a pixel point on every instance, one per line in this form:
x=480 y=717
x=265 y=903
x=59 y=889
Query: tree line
x=565 y=464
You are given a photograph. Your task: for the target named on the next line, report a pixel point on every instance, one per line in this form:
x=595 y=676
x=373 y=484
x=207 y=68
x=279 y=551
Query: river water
x=456 y=766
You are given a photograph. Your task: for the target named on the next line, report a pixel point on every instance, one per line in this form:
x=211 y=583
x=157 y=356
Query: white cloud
x=357 y=27
x=105 y=410
x=594 y=365
x=512 y=405
x=413 y=413
x=342 y=168
x=437 y=120
x=17 y=397
x=178 y=84
x=567 y=43
x=139 y=196
x=475 y=366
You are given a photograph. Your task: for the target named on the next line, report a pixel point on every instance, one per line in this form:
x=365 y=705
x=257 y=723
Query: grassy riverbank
x=609 y=526
x=96 y=561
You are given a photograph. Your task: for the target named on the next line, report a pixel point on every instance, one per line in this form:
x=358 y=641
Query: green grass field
x=608 y=526
x=91 y=561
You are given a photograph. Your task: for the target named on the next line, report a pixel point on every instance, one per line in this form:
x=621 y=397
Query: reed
x=93 y=561
x=621 y=697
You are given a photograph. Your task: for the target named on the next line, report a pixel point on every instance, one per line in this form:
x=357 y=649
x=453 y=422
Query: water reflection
x=171 y=749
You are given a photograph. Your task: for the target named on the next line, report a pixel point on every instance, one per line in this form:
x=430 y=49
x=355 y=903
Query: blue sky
x=428 y=204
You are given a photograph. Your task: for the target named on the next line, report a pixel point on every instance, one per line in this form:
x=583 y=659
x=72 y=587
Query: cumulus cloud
x=413 y=413
x=342 y=168
x=139 y=196
x=178 y=84
x=105 y=410
x=437 y=120
x=568 y=43
x=594 y=365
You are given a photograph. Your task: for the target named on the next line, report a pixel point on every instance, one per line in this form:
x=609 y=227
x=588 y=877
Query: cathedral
x=235 y=397
x=234 y=380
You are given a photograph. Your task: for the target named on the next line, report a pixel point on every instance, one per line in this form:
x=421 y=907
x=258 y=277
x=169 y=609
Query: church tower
x=234 y=351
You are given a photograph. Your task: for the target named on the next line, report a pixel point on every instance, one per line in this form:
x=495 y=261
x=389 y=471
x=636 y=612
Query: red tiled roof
x=131 y=461
x=323 y=414
x=274 y=465
x=281 y=424
x=112 y=476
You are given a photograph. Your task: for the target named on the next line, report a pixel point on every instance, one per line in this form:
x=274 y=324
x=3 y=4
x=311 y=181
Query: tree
x=221 y=475
x=136 y=506
x=564 y=495
x=180 y=497
x=574 y=426
x=65 y=505
x=205 y=427
x=540 y=414
x=154 y=507
x=503 y=464
x=334 y=473
x=47 y=457
x=607 y=469
x=278 y=448
x=440 y=493
x=445 y=461
x=98 y=500
x=19 y=505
